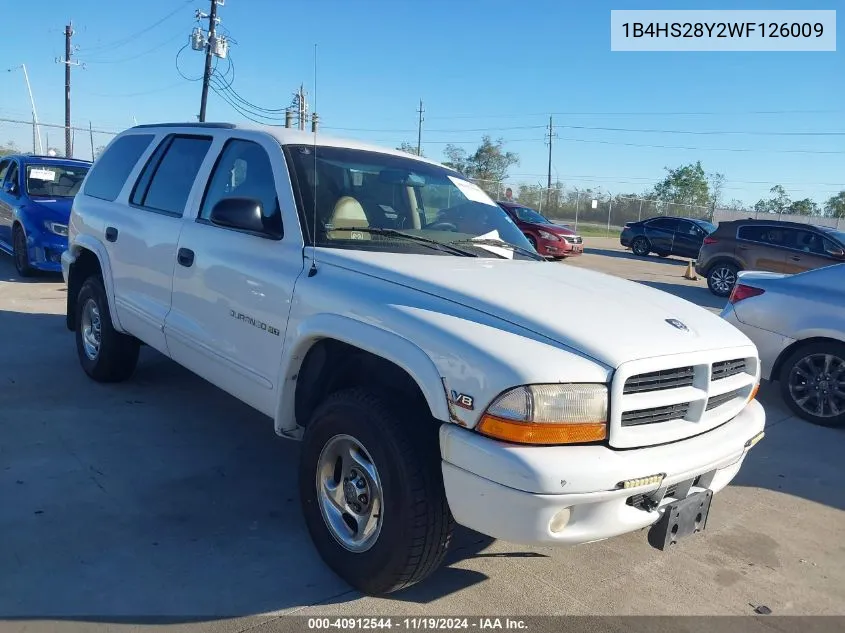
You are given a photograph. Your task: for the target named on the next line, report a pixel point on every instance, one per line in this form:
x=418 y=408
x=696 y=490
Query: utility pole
x=303 y=107
x=209 y=53
x=419 y=129
x=549 y=179
x=68 y=63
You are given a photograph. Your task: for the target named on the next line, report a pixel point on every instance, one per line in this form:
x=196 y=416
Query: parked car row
x=722 y=252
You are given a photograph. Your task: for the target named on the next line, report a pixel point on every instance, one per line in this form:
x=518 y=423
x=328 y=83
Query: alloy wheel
x=350 y=493
x=91 y=329
x=723 y=279
x=817 y=385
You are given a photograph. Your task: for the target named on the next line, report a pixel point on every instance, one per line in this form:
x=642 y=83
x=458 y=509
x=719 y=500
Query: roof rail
x=224 y=126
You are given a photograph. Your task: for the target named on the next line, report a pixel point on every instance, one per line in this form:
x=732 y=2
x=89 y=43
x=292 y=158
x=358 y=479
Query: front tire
x=812 y=383
x=372 y=492
x=533 y=242
x=722 y=279
x=21 y=253
x=641 y=247
x=105 y=354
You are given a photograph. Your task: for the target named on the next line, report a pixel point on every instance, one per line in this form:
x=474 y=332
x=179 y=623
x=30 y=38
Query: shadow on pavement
x=163 y=499
x=162 y=496
x=608 y=252
x=9 y=273
x=696 y=294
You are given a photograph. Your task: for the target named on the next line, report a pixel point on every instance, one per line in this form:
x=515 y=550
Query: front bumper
x=559 y=248
x=45 y=251
x=518 y=493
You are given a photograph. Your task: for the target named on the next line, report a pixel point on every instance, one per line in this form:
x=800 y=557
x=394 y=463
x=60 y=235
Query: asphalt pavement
x=163 y=498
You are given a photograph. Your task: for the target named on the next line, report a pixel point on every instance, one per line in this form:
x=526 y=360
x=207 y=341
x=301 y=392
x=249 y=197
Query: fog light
x=559 y=521
x=641 y=481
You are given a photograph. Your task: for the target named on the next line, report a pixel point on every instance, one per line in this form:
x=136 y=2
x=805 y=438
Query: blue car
x=36 y=193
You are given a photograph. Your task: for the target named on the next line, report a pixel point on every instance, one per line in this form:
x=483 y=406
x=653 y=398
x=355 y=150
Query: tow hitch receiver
x=681 y=519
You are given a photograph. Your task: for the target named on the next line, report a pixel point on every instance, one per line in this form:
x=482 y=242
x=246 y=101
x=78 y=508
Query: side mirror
x=837 y=254
x=246 y=214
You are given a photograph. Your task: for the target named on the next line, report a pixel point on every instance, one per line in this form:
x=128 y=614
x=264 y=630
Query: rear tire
x=797 y=382
x=641 y=247
x=722 y=278
x=20 y=253
x=401 y=482
x=105 y=354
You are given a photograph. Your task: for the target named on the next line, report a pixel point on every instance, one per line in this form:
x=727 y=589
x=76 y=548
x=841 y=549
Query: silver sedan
x=797 y=323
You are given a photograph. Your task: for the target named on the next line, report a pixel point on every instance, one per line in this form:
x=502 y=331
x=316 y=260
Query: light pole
x=32 y=101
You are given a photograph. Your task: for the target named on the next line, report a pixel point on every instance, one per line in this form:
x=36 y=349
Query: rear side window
x=773 y=235
x=107 y=177
x=666 y=224
x=169 y=175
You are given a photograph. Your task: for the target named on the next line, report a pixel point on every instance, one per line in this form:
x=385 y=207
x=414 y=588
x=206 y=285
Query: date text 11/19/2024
x=417 y=623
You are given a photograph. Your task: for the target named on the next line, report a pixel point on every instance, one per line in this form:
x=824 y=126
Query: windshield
x=369 y=201
x=530 y=215
x=54 y=181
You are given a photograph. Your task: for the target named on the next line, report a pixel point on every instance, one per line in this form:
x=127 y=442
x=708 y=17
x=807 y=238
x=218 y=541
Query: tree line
x=687 y=185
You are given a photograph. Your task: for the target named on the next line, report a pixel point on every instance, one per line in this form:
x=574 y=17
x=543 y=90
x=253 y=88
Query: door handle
x=795 y=258
x=111 y=234
x=185 y=257
x=742 y=248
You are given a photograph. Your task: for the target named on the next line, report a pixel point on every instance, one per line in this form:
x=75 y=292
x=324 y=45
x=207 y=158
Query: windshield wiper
x=500 y=244
x=440 y=246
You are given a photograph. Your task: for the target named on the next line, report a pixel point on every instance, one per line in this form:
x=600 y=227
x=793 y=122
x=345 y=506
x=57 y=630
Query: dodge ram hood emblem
x=677 y=324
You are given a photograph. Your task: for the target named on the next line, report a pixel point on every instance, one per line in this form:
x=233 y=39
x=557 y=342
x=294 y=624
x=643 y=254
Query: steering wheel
x=441 y=226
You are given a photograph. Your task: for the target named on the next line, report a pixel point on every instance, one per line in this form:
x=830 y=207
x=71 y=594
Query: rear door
x=142 y=234
x=808 y=249
x=232 y=289
x=688 y=239
x=762 y=247
x=661 y=233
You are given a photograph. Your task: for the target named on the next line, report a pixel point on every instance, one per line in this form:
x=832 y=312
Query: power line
x=133 y=57
x=521 y=115
x=705 y=149
x=130 y=38
x=139 y=93
x=704 y=132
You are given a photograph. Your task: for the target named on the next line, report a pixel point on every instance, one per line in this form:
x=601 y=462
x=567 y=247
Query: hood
x=609 y=319
x=52 y=209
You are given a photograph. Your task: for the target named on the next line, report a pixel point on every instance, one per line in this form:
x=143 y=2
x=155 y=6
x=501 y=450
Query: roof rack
x=224 y=126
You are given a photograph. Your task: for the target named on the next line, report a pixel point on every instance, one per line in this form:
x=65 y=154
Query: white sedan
x=798 y=325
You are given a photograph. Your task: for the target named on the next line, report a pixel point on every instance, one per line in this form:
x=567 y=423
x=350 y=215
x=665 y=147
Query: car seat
x=347 y=214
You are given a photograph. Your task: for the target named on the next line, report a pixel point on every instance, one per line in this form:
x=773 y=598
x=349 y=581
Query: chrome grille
x=658 y=380
x=723 y=398
x=655 y=414
x=727 y=368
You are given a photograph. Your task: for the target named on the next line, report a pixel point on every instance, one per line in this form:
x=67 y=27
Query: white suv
x=383 y=310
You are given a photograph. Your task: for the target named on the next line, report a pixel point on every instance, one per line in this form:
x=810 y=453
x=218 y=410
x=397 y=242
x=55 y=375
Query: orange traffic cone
x=689 y=273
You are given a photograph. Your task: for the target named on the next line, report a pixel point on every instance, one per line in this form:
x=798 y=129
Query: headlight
x=55 y=227
x=548 y=236
x=548 y=414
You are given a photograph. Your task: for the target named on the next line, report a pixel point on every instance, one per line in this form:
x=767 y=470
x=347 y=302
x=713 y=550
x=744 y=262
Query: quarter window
x=173 y=176
x=109 y=174
x=242 y=171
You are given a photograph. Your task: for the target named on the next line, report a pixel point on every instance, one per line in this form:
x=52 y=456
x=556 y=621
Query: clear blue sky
x=491 y=64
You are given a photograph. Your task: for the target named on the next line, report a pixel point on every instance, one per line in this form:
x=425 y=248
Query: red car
x=547 y=238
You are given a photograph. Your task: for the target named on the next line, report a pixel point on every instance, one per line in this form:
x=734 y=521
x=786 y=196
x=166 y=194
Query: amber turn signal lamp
x=543 y=433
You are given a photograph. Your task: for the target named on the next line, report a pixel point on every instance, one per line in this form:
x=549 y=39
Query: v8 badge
x=462 y=400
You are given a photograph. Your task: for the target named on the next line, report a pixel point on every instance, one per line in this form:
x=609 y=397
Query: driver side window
x=243 y=170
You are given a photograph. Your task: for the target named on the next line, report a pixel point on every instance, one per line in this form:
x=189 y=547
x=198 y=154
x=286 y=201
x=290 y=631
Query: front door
x=808 y=250
x=142 y=236
x=232 y=289
x=688 y=239
x=8 y=201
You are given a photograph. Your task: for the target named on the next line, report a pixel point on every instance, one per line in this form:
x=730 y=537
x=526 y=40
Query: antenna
x=313 y=270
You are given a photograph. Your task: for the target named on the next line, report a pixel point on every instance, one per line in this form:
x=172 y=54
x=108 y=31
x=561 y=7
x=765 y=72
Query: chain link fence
x=87 y=141
x=589 y=211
